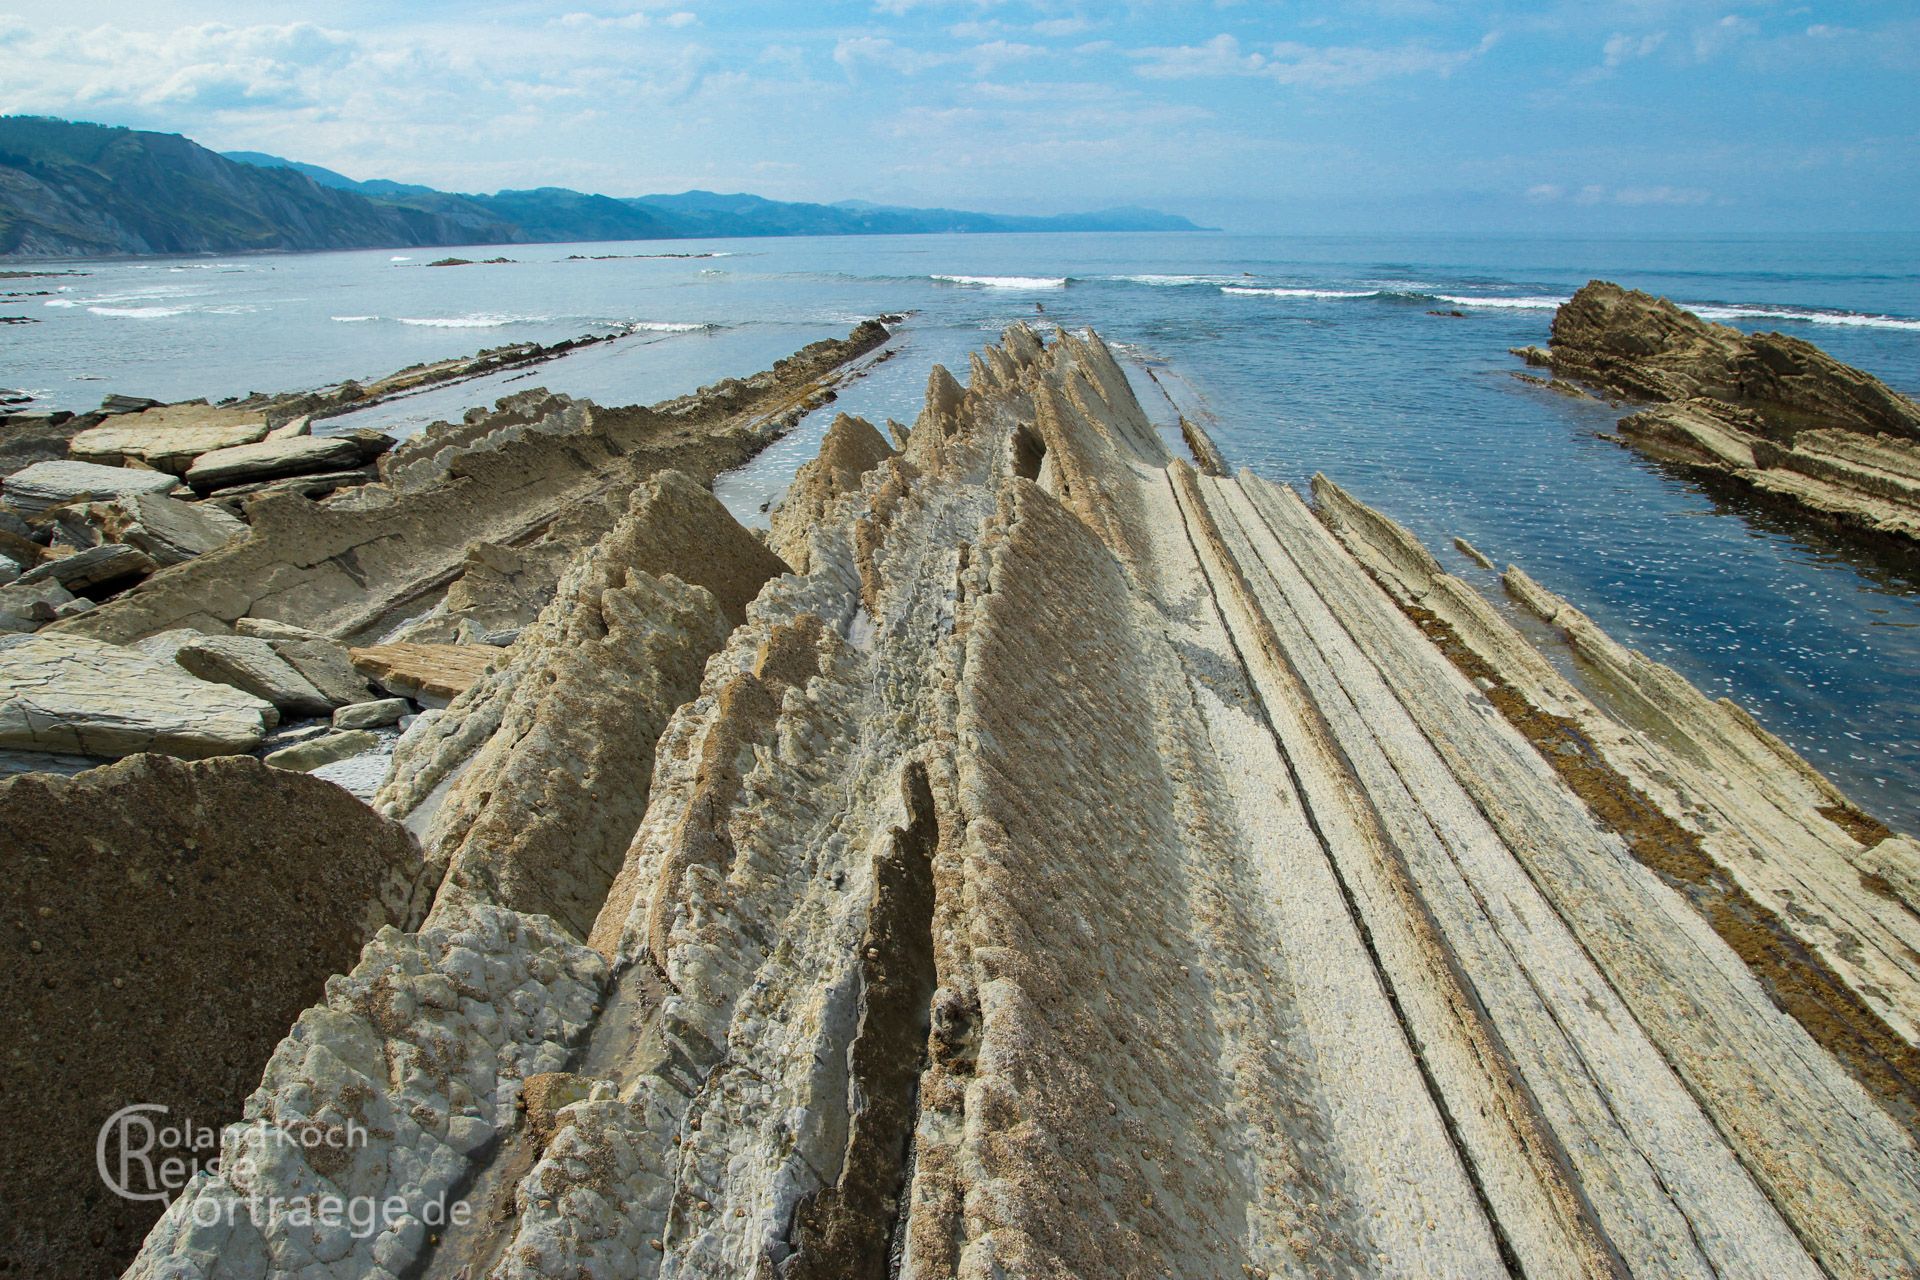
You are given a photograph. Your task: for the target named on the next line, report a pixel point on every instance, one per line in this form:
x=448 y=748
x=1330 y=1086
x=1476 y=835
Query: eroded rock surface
x=166 y=922
x=1774 y=412
x=1085 y=866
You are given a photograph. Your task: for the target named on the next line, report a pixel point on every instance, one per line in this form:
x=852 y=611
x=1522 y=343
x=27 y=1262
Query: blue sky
x=1570 y=115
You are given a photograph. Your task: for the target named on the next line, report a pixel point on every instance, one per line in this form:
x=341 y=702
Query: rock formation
x=1088 y=866
x=1774 y=412
x=167 y=921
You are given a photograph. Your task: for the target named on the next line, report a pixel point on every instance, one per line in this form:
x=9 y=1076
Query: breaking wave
x=140 y=313
x=482 y=320
x=1006 y=282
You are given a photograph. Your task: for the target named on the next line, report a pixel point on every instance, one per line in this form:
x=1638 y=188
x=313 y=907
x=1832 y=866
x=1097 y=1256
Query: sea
x=1339 y=354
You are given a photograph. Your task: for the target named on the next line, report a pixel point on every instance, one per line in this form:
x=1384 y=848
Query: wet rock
x=167 y=922
x=304 y=757
x=81 y=697
x=371 y=715
x=115 y=403
x=1774 y=412
x=48 y=484
x=256 y=667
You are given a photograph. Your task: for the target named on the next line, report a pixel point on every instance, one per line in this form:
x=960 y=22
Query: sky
x=1564 y=116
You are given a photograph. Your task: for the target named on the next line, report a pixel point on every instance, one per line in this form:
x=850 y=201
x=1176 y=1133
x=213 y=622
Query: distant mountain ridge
x=70 y=189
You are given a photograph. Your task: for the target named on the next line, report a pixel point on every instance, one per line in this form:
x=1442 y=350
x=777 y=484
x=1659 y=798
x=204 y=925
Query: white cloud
x=1631 y=197
x=1289 y=62
x=1712 y=40
x=1624 y=48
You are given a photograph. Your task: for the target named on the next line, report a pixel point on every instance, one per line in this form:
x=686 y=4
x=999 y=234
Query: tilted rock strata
x=851 y=449
x=1774 y=412
x=355 y=566
x=1085 y=867
x=167 y=922
x=541 y=817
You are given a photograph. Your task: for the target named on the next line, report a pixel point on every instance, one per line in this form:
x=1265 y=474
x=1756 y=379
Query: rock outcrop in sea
x=1776 y=413
x=1039 y=856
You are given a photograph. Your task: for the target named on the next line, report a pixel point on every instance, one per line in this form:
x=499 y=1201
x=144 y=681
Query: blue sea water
x=1313 y=354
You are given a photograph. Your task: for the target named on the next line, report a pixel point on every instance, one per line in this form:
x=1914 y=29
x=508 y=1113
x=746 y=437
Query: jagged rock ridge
x=1087 y=866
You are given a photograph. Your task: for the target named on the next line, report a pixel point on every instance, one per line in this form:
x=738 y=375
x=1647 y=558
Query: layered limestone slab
x=168 y=438
x=48 y=484
x=65 y=694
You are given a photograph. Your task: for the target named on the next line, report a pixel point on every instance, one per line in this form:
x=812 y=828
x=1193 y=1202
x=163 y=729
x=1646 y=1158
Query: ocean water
x=1312 y=354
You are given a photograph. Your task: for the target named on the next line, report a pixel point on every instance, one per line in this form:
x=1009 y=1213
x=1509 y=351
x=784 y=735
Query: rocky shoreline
x=1038 y=855
x=1786 y=421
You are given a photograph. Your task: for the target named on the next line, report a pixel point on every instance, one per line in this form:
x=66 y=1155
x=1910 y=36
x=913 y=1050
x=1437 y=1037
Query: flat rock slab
x=271 y=459
x=170 y=438
x=255 y=666
x=167 y=529
x=433 y=673
x=81 y=697
x=48 y=484
x=100 y=566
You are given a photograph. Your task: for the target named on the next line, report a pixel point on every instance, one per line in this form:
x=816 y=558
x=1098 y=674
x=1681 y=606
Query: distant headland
x=70 y=189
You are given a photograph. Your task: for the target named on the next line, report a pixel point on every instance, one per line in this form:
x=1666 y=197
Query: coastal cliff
x=1775 y=413
x=1067 y=862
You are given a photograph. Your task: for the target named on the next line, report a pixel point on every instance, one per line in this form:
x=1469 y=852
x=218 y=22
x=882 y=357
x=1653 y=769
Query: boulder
x=169 y=922
x=107 y=565
x=168 y=530
x=274 y=459
x=72 y=696
x=371 y=715
x=48 y=484
x=430 y=674
x=27 y=606
x=253 y=665
x=304 y=757
x=168 y=439
x=9 y=570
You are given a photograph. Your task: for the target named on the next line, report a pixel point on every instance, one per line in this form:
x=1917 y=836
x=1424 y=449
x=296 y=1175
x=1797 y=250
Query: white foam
x=59 y=302
x=480 y=321
x=139 y=313
x=664 y=326
x=1007 y=282
x=1171 y=281
x=399 y=259
x=1846 y=319
x=1250 y=291
x=353 y=319
x=1509 y=304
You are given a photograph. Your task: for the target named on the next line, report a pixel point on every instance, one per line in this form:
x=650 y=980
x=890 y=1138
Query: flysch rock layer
x=1775 y=413
x=355 y=566
x=166 y=921
x=1086 y=867
x=540 y=817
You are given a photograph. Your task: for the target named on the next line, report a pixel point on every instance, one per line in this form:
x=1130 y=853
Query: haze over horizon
x=1387 y=115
